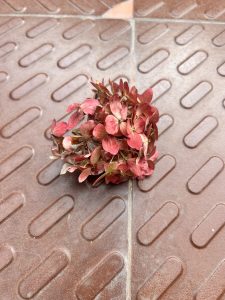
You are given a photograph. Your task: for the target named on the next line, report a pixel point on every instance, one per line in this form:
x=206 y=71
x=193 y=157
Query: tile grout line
x=129 y=238
x=130 y=184
x=100 y=17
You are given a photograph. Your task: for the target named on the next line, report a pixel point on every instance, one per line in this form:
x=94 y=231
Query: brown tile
x=58 y=7
x=178 y=219
x=56 y=235
x=180 y=9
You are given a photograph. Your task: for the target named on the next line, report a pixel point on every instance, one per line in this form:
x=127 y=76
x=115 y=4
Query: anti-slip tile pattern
x=59 y=239
x=180 y=9
x=63 y=240
x=178 y=213
x=54 y=7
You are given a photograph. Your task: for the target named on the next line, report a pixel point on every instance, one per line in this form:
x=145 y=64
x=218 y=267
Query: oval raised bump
x=77 y=29
x=7 y=48
x=49 y=6
x=43 y=274
x=73 y=56
x=51 y=216
x=13 y=4
x=10 y=25
x=189 y=34
x=192 y=62
x=113 y=57
x=41 y=28
x=200 y=131
x=20 y=122
x=165 y=122
x=3 y=76
x=161 y=280
x=183 y=8
x=115 y=30
x=92 y=284
x=15 y=161
x=108 y=214
x=83 y=6
x=50 y=172
x=205 y=175
x=10 y=205
x=69 y=87
x=221 y=69
x=36 y=55
x=209 y=227
x=153 y=61
x=196 y=94
x=163 y=167
x=149 y=7
x=28 y=86
x=6 y=256
x=160 y=88
x=215 y=10
x=158 y=223
x=219 y=39
x=152 y=34
x=213 y=287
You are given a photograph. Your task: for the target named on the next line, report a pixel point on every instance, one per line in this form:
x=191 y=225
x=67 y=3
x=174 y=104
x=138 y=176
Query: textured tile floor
x=162 y=238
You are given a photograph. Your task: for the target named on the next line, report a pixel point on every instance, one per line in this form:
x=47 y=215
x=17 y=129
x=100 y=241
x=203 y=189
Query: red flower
x=112 y=137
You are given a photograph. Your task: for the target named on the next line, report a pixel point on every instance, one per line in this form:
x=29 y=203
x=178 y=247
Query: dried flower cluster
x=115 y=139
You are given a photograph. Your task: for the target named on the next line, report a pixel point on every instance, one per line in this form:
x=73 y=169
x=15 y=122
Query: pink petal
x=99 y=131
x=67 y=142
x=145 y=144
x=124 y=112
x=111 y=145
x=72 y=107
x=123 y=128
x=60 y=129
x=89 y=106
x=95 y=155
x=84 y=174
x=86 y=128
x=154 y=156
x=134 y=168
x=116 y=108
x=74 y=119
x=134 y=141
x=129 y=128
x=111 y=124
x=146 y=97
x=113 y=178
x=139 y=125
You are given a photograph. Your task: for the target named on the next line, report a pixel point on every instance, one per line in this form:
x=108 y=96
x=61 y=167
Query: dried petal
x=86 y=128
x=74 y=119
x=84 y=174
x=146 y=96
x=95 y=155
x=111 y=124
x=67 y=168
x=67 y=142
x=89 y=106
x=111 y=145
x=72 y=107
x=59 y=128
x=139 y=125
x=123 y=128
x=99 y=131
x=134 y=141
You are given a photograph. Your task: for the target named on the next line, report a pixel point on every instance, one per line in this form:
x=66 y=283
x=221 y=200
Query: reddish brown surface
x=63 y=240
x=180 y=9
